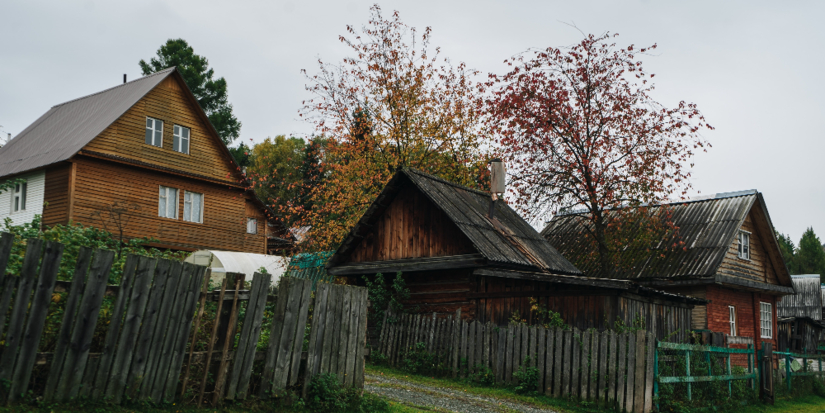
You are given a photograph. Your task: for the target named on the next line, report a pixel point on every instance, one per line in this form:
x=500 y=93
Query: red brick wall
x=747 y=312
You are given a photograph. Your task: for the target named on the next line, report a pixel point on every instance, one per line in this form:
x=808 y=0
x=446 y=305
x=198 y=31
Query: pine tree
x=787 y=248
x=810 y=257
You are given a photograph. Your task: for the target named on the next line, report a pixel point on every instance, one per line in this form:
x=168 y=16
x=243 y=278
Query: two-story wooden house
x=730 y=258
x=145 y=149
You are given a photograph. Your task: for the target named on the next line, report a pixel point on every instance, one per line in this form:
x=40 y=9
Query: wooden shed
x=453 y=254
x=807 y=302
x=800 y=334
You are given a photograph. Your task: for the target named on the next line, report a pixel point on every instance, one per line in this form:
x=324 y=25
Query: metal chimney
x=497 y=176
x=124 y=78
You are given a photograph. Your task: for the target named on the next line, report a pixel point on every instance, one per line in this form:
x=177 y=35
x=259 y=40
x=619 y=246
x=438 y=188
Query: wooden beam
x=409 y=265
x=72 y=174
x=757 y=286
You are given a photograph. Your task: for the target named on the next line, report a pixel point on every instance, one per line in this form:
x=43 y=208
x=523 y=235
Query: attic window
x=154 y=132
x=744 y=245
x=181 y=140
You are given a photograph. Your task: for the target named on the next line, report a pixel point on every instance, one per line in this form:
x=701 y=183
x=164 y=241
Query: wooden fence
x=604 y=367
x=148 y=352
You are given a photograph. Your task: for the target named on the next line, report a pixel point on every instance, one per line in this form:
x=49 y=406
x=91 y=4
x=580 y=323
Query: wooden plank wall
x=442 y=292
x=98 y=184
x=411 y=227
x=56 y=195
x=607 y=368
x=758 y=268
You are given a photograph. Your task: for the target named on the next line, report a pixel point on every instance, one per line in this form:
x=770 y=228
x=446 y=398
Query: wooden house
x=800 y=327
x=730 y=258
x=453 y=254
x=142 y=156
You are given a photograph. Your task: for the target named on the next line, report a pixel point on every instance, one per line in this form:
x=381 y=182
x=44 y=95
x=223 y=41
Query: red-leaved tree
x=579 y=130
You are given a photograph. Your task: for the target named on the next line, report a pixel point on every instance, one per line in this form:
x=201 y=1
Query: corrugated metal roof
x=706 y=225
x=507 y=239
x=807 y=302
x=66 y=128
x=310 y=266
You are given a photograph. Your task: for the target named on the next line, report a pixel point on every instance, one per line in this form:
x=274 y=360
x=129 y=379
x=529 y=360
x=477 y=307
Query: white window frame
x=179 y=138
x=18 y=197
x=164 y=193
x=251 y=226
x=732 y=313
x=154 y=130
x=744 y=246
x=187 y=201
x=766 y=320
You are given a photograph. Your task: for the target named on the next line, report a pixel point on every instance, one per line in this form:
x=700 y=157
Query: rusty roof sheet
x=707 y=226
x=66 y=128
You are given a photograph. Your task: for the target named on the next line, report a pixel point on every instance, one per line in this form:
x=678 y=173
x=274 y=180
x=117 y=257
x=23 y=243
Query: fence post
x=788 y=371
x=750 y=365
x=655 y=374
x=687 y=370
x=730 y=389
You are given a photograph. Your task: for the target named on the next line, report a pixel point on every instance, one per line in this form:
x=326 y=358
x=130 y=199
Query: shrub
x=483 y=375
x=326 y=395
x=527 y=378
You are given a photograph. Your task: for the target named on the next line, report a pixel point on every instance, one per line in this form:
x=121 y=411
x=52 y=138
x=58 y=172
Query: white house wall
x=35 y=188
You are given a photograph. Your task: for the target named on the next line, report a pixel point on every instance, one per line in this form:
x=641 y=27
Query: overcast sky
x=754 y=68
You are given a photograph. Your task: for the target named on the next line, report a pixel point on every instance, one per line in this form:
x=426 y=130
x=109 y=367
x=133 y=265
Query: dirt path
x=443 y=399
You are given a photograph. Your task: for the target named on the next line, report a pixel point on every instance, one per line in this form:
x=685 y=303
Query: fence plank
x=300 y=330
x=286 y=341
x=611 y=369
x=480 y=337
x=147 y=329
x=212 y=341
x=509 y=356
x=316 y=335
x=649 y=350
x=64 y=337
x=198 y=318
x=541 y=348
x=361 y=343
x=471 y=348
x=456 y=340
x=343 y=336
x=25 y=284
x=131 y=325
x=593 y=375
x=175 y=310
x=352 y=337
x=578 y=376
x=532 y=347
x=558 y=362
x=639 y=397
x=30 y=340
x=501 y=354
x=71 y=377
x=569 y=337
x=333 y=295
x=109 y=343
x=621 y=376
x=488 y=332
x=164 y=318
x=603 y=357
x=273 y=348
x=254 y=335
x=228 y=342
x=548 y=362
x=198 y=279
x=631 y=371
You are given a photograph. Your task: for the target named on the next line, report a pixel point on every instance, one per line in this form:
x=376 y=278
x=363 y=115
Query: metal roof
x=707 y=225
x=807 y=302
x=66 y=128
x=507 y=239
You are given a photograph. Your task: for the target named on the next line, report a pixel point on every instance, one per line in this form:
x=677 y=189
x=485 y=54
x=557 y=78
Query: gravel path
x=442 y=399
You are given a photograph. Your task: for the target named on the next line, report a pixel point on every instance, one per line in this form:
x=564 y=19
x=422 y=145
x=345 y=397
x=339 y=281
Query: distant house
x=453 y=255
x=800 y=316
x=144 y=148
x=731 y=258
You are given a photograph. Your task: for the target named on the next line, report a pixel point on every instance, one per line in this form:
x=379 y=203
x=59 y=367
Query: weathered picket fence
x=605 y=367
x=151 y=322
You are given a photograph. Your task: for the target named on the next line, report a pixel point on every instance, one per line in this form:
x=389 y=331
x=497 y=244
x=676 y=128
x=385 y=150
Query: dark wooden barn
x=800 y=334
x=807 y=302
x=453 y=255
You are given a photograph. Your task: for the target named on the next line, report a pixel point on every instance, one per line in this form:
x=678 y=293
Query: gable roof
x=66 y=128
x=506 y=240
x=707 y=225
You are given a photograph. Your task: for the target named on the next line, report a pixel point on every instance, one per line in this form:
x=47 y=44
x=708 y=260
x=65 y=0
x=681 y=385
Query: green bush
x=419 y=360
x=483 y=375
x=326 y=395
x=527 y=378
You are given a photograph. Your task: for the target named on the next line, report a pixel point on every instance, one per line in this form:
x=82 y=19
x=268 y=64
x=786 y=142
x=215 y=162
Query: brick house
x=731 y=258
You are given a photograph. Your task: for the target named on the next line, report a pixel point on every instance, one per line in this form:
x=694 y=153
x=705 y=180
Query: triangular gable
x=172 y=102
x=411 y=226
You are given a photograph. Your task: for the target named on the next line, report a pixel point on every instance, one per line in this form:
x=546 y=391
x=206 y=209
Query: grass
x=806 y=404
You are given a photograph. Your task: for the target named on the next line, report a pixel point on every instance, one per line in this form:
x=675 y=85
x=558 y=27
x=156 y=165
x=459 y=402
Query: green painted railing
x=789 y=374
x=688 y=378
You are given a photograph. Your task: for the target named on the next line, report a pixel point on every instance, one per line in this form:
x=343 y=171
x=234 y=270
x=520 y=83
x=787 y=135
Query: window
x=193 y=207
x=168 y=202
x=19 y=197
x=766 y=320
x=744 y=245
x=181 y=141
x=251 y=226
x=154 y=132
x=732 y=311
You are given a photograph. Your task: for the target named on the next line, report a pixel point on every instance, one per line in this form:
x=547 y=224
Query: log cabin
x=453 y=255
x=730 y=258
x=142 y=156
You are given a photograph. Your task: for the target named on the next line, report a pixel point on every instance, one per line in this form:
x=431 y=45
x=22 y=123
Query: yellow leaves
x=55 y=297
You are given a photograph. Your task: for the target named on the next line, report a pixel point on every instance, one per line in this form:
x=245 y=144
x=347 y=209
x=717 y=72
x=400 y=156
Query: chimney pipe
x=497 y=175
x=124 y=78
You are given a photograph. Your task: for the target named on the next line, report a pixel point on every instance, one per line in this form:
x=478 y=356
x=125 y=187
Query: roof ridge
x=443 y=181
x=704 y=198
x=162 y=72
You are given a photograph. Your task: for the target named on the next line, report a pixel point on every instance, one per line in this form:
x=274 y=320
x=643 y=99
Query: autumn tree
x=211 y=93
x=579 y=130
x=275 y=173
x=395 y=102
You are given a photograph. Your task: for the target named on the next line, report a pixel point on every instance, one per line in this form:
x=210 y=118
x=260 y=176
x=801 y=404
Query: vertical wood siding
x=56 y=195
x=758 y=267
x=412 y=227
